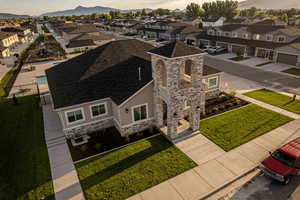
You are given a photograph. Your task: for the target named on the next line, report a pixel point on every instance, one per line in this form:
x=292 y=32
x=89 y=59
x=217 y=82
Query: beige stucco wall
x=143 y=97
x=87 y=113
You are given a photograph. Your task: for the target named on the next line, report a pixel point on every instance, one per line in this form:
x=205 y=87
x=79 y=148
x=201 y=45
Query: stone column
x=158 y=104
x=196 y=109
x=172 y=122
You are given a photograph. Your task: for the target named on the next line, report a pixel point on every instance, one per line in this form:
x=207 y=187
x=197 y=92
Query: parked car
x=284 y=162
x=206 y=48
x=216 y=49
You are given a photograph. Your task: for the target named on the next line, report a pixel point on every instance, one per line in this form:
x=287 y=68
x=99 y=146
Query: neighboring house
x=9 y=40
x=213 y=22
x=124 y=26
x=278 y=43
x=86 y=41
x=4 y=52
x=133 y=86
x=24 y=34
x=71 y=31
x=167 y=30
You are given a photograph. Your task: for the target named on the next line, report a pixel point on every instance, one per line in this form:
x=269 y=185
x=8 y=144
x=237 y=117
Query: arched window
x=188 y=68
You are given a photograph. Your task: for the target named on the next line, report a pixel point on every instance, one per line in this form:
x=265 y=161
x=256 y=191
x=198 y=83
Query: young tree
x=284 y=17
x=194 y=10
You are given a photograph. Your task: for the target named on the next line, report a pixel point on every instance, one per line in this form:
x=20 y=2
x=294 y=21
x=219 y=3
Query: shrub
x=221 y=107
x=84 y=148
x=98 y=146
x=232 y=93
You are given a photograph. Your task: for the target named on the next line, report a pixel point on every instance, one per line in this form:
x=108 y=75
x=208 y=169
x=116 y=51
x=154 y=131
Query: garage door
x=287 y=59
x=236 y=49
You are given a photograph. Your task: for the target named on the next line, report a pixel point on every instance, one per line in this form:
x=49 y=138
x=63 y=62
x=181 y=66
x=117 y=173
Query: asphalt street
x=270 y=79
x=265 y=188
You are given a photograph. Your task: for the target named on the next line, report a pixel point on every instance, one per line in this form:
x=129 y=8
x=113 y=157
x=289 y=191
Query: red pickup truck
x=283 y=162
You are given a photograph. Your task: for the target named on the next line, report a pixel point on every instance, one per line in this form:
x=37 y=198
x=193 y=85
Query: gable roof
x=80 y=43
x=109 y=71
x=175 y=49
x=98 y=37
x=77 y=29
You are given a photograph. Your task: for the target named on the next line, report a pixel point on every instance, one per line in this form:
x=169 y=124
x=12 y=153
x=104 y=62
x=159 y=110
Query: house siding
x=143 y=97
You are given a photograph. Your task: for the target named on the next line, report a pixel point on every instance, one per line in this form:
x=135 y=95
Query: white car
x=216 y=49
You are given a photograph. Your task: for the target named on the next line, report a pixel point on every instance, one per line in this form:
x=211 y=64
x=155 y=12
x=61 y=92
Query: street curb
x=260 y=68
x=228 y=183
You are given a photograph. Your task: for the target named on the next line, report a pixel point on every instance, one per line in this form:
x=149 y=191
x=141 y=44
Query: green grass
x=237 y=127
x=293 y=71
x=265 y=63
x=276 y=99
x=132 y=169
x=24 y=164
x=239 y=58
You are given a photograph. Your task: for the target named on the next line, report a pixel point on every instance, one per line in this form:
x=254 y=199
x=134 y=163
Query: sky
x=37 y=7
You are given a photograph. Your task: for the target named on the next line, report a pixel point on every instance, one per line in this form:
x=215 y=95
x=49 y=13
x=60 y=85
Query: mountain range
x=10 y=16
x=80 y=10
x=270 y=4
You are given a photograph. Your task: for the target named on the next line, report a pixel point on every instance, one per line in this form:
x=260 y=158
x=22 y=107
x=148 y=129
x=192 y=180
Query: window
x=188 y=68
x=281 y=39
x=269 y=37
x=75 y=115
x=256 y=37
x=246 y=36
x=187 y=104
x=234 y=35
x=139 y=113
x=227 y=34
x=98 y=110
x=212 y=82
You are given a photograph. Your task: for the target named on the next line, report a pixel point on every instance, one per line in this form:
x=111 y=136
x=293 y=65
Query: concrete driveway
x=276 y=67
x=277 y=81
x=264 y=188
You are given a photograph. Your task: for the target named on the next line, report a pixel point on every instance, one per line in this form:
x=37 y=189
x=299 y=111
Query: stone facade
x=167 y=75
x=137 y=127
x=88 y=128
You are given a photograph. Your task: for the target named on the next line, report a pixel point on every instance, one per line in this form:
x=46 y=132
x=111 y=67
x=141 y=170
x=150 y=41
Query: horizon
x=37 y=7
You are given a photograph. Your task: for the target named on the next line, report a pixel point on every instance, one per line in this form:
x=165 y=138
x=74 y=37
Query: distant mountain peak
x=270 y=4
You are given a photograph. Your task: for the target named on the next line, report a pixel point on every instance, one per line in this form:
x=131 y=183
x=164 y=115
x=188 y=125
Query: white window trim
x=281 y=36
x=101 y=115
x=185 y=105
x=271 y=36
x=132 y=112
x=73 y=110
x=257 y=37
x=215 y=77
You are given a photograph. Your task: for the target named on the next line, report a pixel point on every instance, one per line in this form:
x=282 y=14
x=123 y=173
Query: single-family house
x=133 y=86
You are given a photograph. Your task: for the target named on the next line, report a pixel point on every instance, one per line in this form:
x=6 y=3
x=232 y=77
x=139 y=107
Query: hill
x=270 y=4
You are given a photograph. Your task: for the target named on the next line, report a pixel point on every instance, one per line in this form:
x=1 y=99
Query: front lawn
x=132 y=169
x=293 y=71
x=276 y=99
x=237 y=127
x=24 y=164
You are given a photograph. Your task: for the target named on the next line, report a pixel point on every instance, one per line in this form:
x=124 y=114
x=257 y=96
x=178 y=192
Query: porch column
x=275 y=56
x=256 y=52
x=246 y=52
x=298 y=62
x=230 y=48
x=172 y=122
x=158 y=112
x=195 y=112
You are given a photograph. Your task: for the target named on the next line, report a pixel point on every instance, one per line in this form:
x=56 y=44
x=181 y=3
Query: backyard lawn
x=293 y=71
x=24 y=164
x=276 y=99
x=237 y=127
x=132 y=169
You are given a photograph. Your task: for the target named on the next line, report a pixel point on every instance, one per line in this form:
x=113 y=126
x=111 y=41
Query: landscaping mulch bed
x=105 y=140
x=224 y=103
x=239 y=58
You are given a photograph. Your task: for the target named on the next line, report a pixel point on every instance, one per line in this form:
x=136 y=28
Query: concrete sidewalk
x=269 y=107
x=217 y=168
x=65 y=180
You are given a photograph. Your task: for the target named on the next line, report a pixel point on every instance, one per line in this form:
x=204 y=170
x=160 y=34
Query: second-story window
x=256 y=37
x=98 y=110
x=245 y=36
x=269 y=37
x=235 y=35
x=281 y=39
